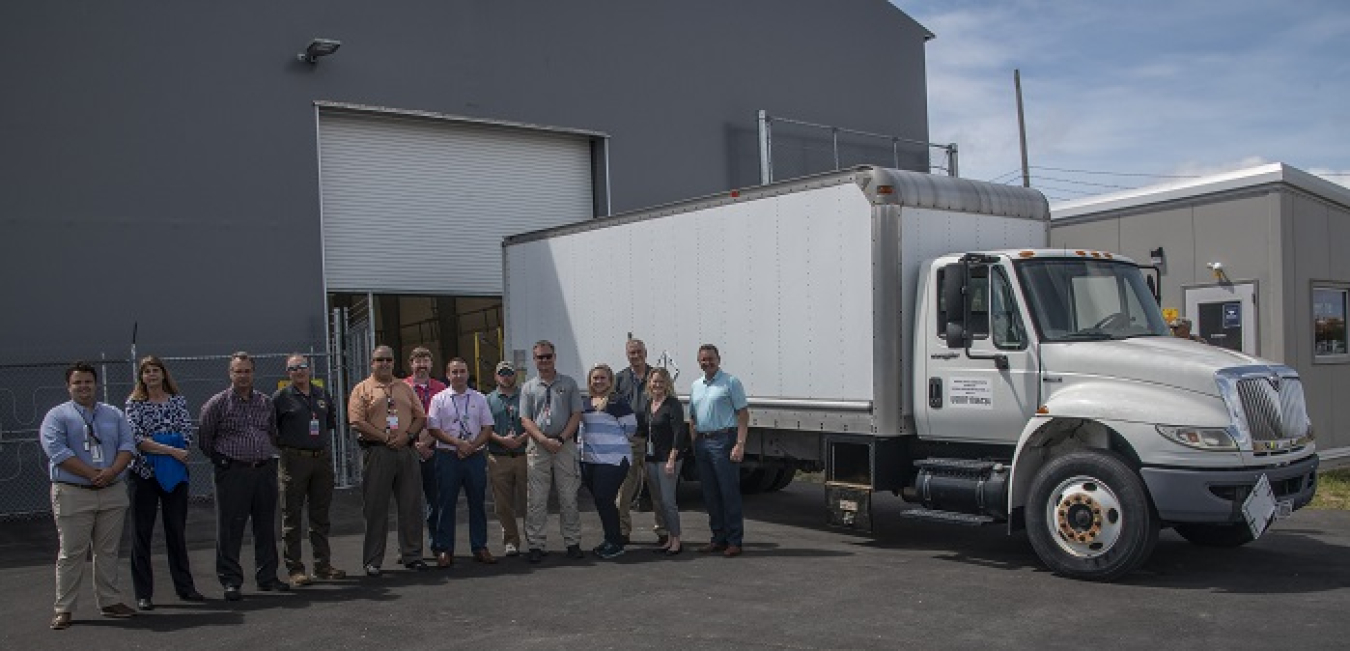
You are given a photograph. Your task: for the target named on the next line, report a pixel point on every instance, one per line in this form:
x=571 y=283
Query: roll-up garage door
x=414 y=205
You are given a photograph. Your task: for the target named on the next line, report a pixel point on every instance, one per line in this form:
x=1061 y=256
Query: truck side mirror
x=954 y=280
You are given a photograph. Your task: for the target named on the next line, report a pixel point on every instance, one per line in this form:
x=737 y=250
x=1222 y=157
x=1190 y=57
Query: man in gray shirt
x=550 y=413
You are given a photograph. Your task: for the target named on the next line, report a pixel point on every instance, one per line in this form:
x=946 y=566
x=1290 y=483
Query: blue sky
x=1142 y=87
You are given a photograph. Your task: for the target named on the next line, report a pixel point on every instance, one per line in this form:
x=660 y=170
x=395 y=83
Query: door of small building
x=1224 y=315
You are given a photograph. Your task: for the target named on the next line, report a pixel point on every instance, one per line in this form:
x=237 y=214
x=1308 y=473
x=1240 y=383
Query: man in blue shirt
x=89 y=445
x=719 y=418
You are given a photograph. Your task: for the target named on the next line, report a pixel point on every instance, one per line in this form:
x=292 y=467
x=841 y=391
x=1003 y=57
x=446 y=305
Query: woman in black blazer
x=661 y=418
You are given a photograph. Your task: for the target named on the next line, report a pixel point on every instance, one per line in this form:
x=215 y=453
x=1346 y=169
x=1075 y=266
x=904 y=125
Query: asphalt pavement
x=800 y=585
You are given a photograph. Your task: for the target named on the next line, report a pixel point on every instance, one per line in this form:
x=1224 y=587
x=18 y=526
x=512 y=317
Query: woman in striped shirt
x=607 y=424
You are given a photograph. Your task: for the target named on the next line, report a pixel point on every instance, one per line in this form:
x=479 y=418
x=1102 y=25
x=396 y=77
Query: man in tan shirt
x=383 y=411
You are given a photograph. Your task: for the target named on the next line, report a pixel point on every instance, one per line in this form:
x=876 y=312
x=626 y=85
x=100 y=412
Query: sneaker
x=298 y=579
x=232 y=593
x=536 y=555
x=119 y=611
x=418 y=565
x=609 y=550
x=372 y=570
x=574 y=551
x=512 y=550
x=329 y=573
x=60 y=621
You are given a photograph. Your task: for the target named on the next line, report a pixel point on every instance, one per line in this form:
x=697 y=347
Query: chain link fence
x=28 y=391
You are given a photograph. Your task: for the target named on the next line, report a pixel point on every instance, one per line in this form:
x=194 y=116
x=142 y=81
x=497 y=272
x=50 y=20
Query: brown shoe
x=712 y=548
x=61 y=621
x=329 y=573
x=732 y=551
x=444 y=560
x=484 y=556
x=119 y=611
x=298 y=578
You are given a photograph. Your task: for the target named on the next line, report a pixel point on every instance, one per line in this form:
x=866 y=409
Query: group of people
x=422 y=442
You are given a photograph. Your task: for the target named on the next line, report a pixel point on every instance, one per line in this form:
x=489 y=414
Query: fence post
x=765 y=148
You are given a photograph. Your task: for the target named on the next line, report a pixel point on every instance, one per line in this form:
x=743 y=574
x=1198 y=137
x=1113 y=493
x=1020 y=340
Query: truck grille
x=1274 y=407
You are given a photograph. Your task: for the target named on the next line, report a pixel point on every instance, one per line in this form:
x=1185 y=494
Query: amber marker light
x=885 y=189
x=1027 y=254
x=1042 y=409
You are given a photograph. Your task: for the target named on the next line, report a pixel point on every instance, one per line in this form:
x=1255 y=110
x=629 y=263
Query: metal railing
x=807 y=148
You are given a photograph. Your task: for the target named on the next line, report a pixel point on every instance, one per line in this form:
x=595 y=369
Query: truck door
x=970 y=398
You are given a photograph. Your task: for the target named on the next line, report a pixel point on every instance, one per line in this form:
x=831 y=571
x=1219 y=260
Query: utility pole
x=1022 y=128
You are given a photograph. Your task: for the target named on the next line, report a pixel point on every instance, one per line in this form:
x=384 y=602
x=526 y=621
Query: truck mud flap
x=849 y=507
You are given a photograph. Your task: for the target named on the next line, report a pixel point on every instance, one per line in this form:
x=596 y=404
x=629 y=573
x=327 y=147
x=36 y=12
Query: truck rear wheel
x=1216 y=535
x=785 y=477
x=1089 y=516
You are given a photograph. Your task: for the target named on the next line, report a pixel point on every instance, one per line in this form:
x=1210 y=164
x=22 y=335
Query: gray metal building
x=1256 y=259
x=175 y=167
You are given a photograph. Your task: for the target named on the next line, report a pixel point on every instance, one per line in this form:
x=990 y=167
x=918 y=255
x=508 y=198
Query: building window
x=1330 y=308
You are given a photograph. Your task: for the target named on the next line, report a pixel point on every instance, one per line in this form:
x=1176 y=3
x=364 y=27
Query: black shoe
x=536 y=555
x=574 y=551
x=662 y=541
x=417 y=566
x=673 y=552
x=626 y=542
x=232 y=593
x=145 y=604
x=191 y=595
x=275 y=586
x=372 y=570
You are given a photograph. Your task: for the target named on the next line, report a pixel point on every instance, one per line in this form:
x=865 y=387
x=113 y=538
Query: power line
x=1156 y=176
x=1100 y=185
x=1000 y=179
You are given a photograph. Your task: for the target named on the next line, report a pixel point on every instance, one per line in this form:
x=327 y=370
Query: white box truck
x=911 y=333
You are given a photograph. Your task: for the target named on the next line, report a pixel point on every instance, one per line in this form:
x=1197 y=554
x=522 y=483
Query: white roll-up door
x=420 y=206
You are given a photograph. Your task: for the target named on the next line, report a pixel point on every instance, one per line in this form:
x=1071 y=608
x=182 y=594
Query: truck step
x=947 y=517
x=973 y=466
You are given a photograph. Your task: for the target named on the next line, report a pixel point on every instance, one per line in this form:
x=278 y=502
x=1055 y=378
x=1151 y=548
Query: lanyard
x=308 y=403
x=423 y=394
x=462 y=426
x=89 y=423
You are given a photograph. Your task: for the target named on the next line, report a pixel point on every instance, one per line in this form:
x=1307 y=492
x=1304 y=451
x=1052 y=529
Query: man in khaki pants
x=507 y=468
x=89 y=445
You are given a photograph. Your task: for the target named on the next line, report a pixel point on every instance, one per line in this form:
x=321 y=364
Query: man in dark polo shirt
x=239 y=432
x=305 y=424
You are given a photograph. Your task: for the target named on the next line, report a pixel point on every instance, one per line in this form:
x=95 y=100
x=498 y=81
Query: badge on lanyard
x=313 y=427
x=391 y=422
x=651 y=447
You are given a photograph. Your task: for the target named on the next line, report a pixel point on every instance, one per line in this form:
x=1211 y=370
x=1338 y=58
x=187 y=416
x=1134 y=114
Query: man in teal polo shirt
x=719 y=417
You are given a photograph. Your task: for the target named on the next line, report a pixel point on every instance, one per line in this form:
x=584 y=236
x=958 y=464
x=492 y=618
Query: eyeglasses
x=506 y=372
x=383 y=359
x=544 y=356
x=297 y=367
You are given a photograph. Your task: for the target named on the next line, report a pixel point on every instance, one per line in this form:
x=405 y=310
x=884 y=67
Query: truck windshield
x=1084 y=300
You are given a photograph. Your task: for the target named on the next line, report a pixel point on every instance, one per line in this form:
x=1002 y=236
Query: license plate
x=1259 y=508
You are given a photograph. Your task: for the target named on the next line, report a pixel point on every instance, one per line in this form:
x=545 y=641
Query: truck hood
x=1168 y=361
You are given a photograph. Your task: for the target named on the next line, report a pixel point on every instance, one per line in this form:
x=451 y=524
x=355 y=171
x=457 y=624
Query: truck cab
x=1061 y=364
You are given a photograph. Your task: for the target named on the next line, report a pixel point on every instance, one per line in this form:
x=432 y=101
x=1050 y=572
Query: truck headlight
x=1204 y=438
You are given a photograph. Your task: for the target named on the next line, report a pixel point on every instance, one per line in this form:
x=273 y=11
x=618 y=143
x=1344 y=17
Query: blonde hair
x=670 y=384
x=142 y=393
x=609 y=372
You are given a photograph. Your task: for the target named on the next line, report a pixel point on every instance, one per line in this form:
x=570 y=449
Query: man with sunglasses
x=384 y=411
x=550 y=412
x=306 y=421
x=238 y=433
x=88 y=445
x=507 y=469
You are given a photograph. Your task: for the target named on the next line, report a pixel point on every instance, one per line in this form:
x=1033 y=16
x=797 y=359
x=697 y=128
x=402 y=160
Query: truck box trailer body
x=828 y=298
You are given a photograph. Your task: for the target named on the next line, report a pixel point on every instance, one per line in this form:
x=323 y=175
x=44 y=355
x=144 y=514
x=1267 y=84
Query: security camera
x=1216 y=266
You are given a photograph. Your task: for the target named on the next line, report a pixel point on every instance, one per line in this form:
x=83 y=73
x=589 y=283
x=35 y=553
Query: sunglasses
x=544 y=356
x=506 y=372
x=383 y=359
x=297 y=367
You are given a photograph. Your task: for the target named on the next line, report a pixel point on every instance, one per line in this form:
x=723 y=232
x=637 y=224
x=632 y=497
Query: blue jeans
x=430 y=493
x=452 y=473
x=720 y=478
x=604 y=481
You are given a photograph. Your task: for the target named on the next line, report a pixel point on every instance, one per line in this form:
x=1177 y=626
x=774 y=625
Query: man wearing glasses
x=239 y=434
x=88 y=445
x=305 y=424
x=550 y=413
x=383 y=411
x=507 y=470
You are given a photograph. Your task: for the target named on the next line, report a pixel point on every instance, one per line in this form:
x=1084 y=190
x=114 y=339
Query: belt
x=88 y=487
x=455 y=452
x=719 y=432
x=304 y=452
x=507 y=453
x=235 y=463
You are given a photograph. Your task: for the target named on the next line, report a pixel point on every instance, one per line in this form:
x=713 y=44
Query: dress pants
x=662 y=488
x=388 y=472
x=246 y=493
x=88 y=519
x=509 y=477
x=720 y=478
x=632 y=486
x=431 y=496
x=452 y=474
x=548 y=470
x=306 y=481
x=148 y=499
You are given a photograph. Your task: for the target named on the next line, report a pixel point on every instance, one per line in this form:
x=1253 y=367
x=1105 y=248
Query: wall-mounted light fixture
x=1156 y=256
x=1219 y=273
x=319 y=47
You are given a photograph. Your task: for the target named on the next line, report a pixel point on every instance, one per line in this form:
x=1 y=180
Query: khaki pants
x=632 y=485
x=509 y=477
x=388 y=472
x=305 y=480
x=546 y=471
x=88 y=519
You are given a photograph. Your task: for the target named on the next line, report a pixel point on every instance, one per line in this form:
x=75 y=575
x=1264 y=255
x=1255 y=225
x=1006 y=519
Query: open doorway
x=469 y=327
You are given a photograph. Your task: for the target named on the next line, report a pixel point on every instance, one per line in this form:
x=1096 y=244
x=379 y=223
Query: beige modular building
x=1258 y=260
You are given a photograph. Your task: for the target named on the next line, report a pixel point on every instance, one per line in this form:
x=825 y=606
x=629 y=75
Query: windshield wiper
x=1086 y=335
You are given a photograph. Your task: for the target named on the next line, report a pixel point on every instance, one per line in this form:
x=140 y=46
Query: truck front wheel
x=1089 y=516
x=1216 y=535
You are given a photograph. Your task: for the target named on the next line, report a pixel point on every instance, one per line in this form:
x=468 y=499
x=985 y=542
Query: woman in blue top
x=607 y=424
x=156 y=408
